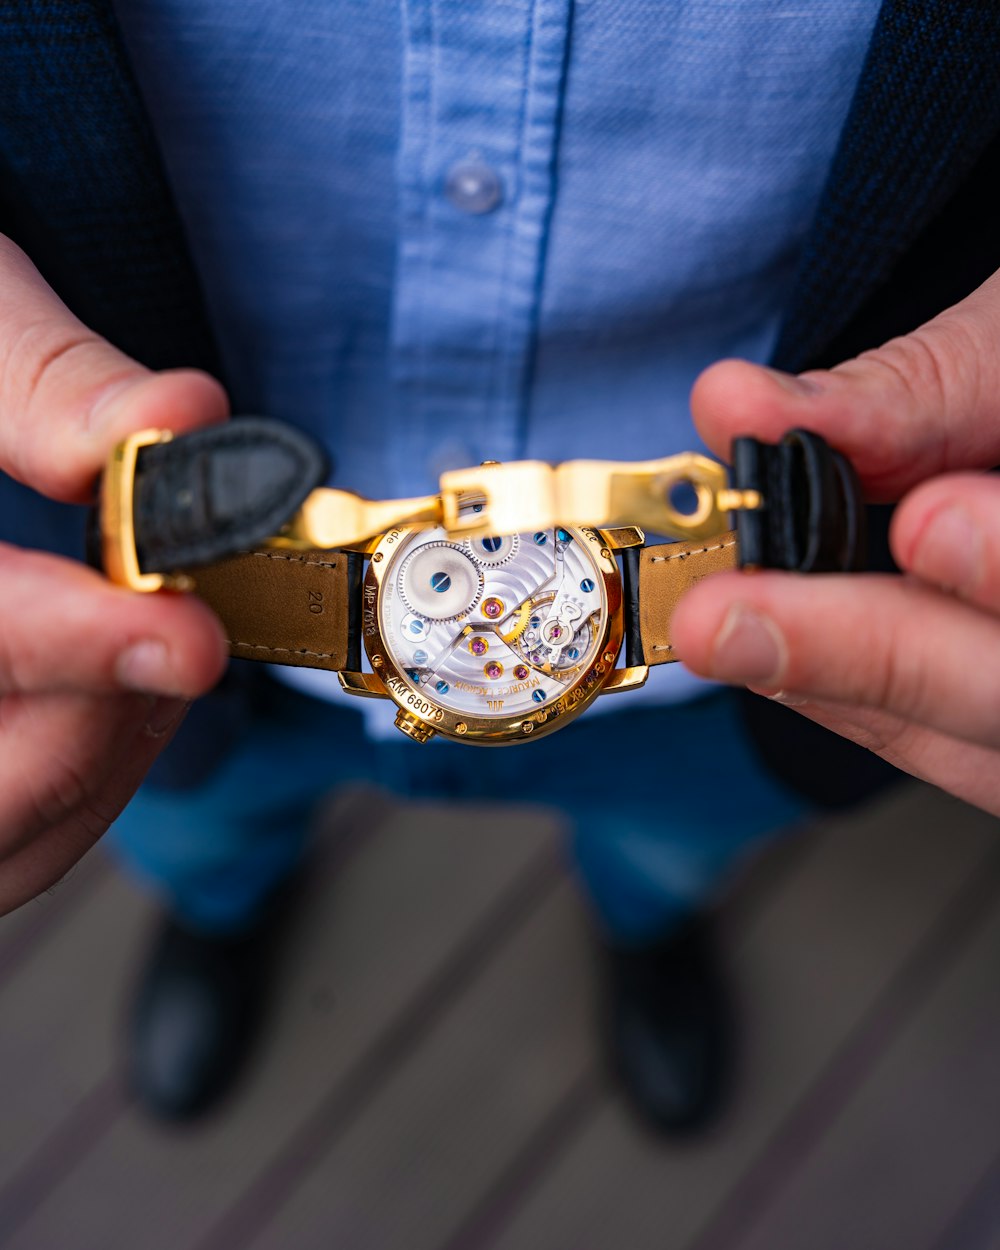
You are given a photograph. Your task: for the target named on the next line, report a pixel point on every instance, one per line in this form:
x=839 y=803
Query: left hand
x=93 y=679
x=906 y=666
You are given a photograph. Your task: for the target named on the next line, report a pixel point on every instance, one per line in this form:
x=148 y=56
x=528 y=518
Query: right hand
x=908 y=667
x=93 y=679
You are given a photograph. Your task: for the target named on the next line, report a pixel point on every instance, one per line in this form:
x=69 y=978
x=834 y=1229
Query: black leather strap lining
x=355 y=571
x=217 y=491
x=630 y=606
x=813 y=518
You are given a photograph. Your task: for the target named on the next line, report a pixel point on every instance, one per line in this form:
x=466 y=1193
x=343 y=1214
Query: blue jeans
x=651 y=840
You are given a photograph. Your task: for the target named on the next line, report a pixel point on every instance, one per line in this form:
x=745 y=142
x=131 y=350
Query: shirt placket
x=483 y=83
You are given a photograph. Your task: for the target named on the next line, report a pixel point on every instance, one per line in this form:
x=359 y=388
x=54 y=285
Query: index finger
x=875 y=641
x=67 y=395
x=64 y=628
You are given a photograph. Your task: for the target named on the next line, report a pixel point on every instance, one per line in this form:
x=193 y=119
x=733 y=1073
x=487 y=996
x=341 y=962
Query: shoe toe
x=177 y=1054
x=670 y=1030
x=668 y=1073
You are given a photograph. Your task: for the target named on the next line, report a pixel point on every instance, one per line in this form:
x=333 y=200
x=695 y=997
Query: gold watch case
x=421 y=717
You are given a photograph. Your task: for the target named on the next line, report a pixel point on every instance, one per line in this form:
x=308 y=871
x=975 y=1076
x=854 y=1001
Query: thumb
x=67 y=396
x=923 y=404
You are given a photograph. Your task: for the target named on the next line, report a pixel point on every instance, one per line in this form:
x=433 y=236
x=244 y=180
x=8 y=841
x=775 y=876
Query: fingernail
x=146 y=666
x=950 y=550
x=164 y=713
x=748 y=648
x=796 y=385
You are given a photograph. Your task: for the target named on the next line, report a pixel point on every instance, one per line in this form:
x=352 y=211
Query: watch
x=491 y=612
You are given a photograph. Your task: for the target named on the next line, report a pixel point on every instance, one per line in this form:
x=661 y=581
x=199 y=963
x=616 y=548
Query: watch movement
x=495 y=637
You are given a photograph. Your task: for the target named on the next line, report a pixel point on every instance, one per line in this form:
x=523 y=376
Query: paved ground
x=431 y=1080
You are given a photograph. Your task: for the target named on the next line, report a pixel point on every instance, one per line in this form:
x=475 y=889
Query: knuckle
x=884 y=673
x=871 y=733
x=28 y=355
x=937 y=368
x=30 y=360
x=891 y=739
x=66 y=792
x=913 y=364
x=903 y=685
x=90 y=821
x=877 y=731
x=56 y=796
x=72 y=798
x=909 y=689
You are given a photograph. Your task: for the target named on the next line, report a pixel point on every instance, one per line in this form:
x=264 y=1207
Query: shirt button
x=473 y=187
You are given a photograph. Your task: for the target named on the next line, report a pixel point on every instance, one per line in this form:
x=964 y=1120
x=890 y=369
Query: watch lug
x=363 y=685
x=622 y=537
x=626 y=679
x=363 y=547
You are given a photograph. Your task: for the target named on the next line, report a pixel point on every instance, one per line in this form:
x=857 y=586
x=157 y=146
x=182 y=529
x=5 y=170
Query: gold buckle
x=533 y=495
x=121 y=560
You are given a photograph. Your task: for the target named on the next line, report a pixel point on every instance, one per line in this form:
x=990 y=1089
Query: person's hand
x=909 y=667
x=93 y=679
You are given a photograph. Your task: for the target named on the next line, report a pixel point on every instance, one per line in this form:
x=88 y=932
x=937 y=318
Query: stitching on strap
x=258 y=646
x=701 y=551
x=280 y=555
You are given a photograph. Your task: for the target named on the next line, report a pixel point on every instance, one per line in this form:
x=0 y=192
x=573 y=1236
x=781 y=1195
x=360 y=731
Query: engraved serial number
x=368 y=614
x=415 y=702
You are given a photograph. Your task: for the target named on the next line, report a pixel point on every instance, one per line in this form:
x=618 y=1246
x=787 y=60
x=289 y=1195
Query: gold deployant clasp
x=531 y=495
x=511 y=498
x=333 y=519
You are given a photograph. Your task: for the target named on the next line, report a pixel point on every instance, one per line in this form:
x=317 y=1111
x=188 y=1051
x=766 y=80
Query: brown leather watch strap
x=285 y=607
x=665 y=573
x=291 y=607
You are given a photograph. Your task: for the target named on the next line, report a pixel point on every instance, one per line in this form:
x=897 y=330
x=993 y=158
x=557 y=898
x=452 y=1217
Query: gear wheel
x=533 y=649
x=491 y=552
x=440 y=581
x=523 y=614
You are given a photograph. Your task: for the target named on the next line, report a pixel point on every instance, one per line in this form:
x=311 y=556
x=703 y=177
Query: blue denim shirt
x=441 y=231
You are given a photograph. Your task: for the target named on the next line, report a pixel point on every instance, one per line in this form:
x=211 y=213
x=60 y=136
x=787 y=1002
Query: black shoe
x=198 y=1011
x=669 y=1029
